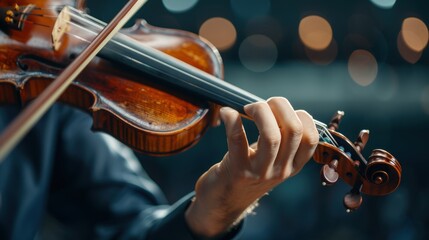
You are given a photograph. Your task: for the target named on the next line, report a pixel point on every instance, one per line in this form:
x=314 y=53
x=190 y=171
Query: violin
x=155 y=89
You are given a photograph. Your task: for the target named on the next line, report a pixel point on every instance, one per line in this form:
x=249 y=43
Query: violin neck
x=180 y=74
x=125 y=50
x=132 y=53
x=177 y=73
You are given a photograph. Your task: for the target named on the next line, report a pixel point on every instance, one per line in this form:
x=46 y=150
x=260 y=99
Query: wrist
x=205 y=222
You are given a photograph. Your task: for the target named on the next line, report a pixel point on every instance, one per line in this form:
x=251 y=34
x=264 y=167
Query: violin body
x=132 y=107
x=138 y=91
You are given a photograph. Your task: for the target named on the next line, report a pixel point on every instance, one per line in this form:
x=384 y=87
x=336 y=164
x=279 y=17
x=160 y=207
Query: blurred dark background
x=368 y=58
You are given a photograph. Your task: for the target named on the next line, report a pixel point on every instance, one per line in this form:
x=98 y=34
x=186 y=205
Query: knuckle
x=281 y=100
x=296 y=130
x=310 y=134
x=279 y=174
x=249 y=177
x=304 y=115
x=259 y=106
x=271 y=141
x=312 y=138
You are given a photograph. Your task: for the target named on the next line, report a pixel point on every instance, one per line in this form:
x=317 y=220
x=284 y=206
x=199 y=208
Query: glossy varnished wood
x=132 y=107
x=355 y=170
x=156 y=104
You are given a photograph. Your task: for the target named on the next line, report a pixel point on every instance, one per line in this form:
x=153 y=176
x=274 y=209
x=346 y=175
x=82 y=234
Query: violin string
x=83 y=28
x=324 y=133
x=321 y=127
x=239 y=98
x=78 y=37
x=39 y=15
x=38 y=24
x=88 y=40
x=49 y=7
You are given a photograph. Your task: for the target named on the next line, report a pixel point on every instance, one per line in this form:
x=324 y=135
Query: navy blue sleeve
x=100 y=191
x=174 y=223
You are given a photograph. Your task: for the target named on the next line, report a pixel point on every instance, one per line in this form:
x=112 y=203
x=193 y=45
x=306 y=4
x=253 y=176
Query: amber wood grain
x=135 y=109
x=149 y=114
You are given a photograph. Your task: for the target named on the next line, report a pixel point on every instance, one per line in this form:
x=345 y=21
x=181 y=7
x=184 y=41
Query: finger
x=269 y=135
x=238 y=146
x=291 y=132
x=309 y=141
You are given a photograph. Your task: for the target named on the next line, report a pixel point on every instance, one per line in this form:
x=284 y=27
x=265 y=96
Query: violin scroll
x=379 y=175
x=383 y=169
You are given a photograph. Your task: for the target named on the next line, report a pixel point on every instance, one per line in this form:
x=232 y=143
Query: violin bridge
x=61 y=26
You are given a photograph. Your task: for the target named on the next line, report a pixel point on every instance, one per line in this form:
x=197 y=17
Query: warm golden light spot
x=315 y=32
x=415 y=33
x=220 y=32
x=407 y=53
x=362 y=67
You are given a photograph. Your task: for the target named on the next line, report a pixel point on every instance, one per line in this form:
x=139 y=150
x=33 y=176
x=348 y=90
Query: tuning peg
x=10 y=13
x=329 y=174
x=353 y=199
x=335 y=121
x=362 y=140
x=8 y=20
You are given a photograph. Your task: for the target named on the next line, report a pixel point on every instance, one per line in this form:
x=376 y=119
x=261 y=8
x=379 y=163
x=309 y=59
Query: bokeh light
x=362 y=67
x=179 y=5
x=407 y=53
x=258 y=53
x=425 y=99
x=415 y=33
x=220 y=32
x=315 y=32
x=250 y=8
x=386 y=4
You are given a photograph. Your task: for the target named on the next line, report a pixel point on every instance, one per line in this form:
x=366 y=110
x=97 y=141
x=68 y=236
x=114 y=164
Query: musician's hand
x=287 y=140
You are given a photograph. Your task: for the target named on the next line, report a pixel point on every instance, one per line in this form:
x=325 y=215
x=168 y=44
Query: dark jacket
x=81 y=184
